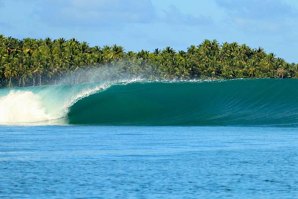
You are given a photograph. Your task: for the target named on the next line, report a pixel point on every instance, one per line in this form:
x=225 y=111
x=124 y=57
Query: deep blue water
x=148 y=162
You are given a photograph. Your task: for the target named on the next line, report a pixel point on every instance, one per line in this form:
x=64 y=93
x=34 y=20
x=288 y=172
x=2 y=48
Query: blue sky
x=150 y=24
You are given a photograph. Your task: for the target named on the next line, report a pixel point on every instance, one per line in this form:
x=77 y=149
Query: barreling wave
x=258 y=102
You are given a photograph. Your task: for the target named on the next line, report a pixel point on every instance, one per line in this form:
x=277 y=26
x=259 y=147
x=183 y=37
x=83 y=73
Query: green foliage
x=35 y=62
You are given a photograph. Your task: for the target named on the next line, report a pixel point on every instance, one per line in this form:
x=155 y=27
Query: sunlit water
x=148 y=162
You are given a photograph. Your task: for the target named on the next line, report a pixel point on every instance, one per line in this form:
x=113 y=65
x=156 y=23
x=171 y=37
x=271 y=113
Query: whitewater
x=45 y=105
x=249 y=102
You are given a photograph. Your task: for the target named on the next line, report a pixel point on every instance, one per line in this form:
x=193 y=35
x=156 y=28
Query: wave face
x=263 y=102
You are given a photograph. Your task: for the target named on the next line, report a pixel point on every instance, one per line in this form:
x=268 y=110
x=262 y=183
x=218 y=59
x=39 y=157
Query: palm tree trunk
x=9 y=82
x=39 y=79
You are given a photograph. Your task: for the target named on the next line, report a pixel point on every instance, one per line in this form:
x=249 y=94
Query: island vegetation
x=30 y=62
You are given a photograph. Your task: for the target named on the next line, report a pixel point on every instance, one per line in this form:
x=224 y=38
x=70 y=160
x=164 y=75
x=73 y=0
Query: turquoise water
x=148 y=162
x=253 y=102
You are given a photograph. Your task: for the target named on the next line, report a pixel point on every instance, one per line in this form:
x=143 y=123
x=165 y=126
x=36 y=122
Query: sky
x=151 y=24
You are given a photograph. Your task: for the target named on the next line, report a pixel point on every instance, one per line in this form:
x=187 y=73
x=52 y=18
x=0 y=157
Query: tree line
x=30 y=62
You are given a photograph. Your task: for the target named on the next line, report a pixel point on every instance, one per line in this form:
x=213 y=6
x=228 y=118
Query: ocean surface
x=141 y=139
x=148 y=162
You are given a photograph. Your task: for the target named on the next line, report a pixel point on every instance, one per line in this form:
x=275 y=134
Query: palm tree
x=31 y=62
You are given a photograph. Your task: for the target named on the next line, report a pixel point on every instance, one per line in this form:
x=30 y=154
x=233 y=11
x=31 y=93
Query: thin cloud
x=255 y=15
x=174 y=16
x=256 y=9
x=96 y=12
x=112 y=13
